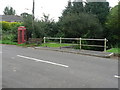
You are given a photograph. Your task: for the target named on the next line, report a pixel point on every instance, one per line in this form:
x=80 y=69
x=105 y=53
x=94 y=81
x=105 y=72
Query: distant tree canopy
x=24 y=15
x=100 y=9
x=73 y=7
x=77 y=7
x=76 y=22
x=9 y=11
x=82 y=25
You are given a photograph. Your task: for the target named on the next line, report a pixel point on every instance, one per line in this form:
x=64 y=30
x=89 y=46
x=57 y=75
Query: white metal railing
x=80 y=43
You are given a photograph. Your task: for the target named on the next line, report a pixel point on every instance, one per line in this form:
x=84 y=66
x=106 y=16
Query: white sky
x=52 y=7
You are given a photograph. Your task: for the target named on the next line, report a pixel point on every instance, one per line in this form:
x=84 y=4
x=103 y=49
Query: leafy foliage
x=100 y=9
x=9 y=11
x=82 y=25
x=5 y=26
x=43 y=27
x=113 y=25
x=9 y=30
x=73 y=7
x=76 y=22
x=27 y=22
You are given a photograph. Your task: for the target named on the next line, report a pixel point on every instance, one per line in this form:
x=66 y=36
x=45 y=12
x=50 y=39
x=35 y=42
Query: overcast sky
x=52 y=7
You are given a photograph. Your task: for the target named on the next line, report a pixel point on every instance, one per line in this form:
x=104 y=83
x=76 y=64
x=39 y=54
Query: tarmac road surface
x=33 y=68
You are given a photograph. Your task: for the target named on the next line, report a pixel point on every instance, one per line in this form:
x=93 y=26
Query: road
x=33 y=68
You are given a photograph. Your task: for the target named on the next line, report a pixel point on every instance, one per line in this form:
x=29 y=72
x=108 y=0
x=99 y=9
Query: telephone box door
x=21 y=34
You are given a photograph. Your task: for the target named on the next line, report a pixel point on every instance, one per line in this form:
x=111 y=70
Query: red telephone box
x=21 y=34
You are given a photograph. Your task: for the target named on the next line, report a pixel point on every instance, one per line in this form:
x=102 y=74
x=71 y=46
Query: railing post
x=80 y=43
x=60 y=40
x=105 y=41
x=44 y=40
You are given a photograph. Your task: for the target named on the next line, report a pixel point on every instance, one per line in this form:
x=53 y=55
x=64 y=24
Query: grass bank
x=15 y=43
x=114 y=50
x=32 y=45
x=8 y=42
x=54 y=45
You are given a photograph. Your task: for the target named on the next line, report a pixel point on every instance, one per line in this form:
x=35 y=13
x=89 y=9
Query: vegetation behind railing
x=80 y=41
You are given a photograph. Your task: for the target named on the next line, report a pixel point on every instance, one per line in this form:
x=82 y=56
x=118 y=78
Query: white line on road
x=116 y=76
x=43 y=61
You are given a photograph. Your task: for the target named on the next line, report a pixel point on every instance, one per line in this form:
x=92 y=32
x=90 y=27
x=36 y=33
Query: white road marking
x=116 y=76
x=38 y=60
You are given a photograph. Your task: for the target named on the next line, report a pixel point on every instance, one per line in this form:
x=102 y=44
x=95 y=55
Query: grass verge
x=8 y=42
x=114 y=50
x=30 y=45
x=54 y=45
x=15 y=43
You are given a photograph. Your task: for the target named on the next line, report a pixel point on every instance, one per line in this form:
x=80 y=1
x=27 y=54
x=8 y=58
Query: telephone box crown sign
x=22 y=28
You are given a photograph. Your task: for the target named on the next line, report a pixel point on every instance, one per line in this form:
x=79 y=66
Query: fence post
x=105 y=45
x=80 y=43
x=60 y=40
x=44 y=40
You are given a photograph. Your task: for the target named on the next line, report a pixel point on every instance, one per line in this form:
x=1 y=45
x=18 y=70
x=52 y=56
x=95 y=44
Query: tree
x=27 y=21
x=9 y=11
x=77 y=6
x=74 y=7
x=100 y=9
x=50 y=27
x=24 y=15
x=113 y=25
x=42 y=28
x=81 y=25
x=67 y=10
x=76 y=22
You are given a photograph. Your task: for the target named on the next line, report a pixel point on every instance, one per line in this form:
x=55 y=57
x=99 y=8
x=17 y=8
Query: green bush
x=5 y=25
x=9 y=30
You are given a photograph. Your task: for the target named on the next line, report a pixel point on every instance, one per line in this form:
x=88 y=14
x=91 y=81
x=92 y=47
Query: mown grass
x=114 y=50
x=15 y=43
x=54 y=45
x=27 y=45
x=8 y=42
x=30 y=45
